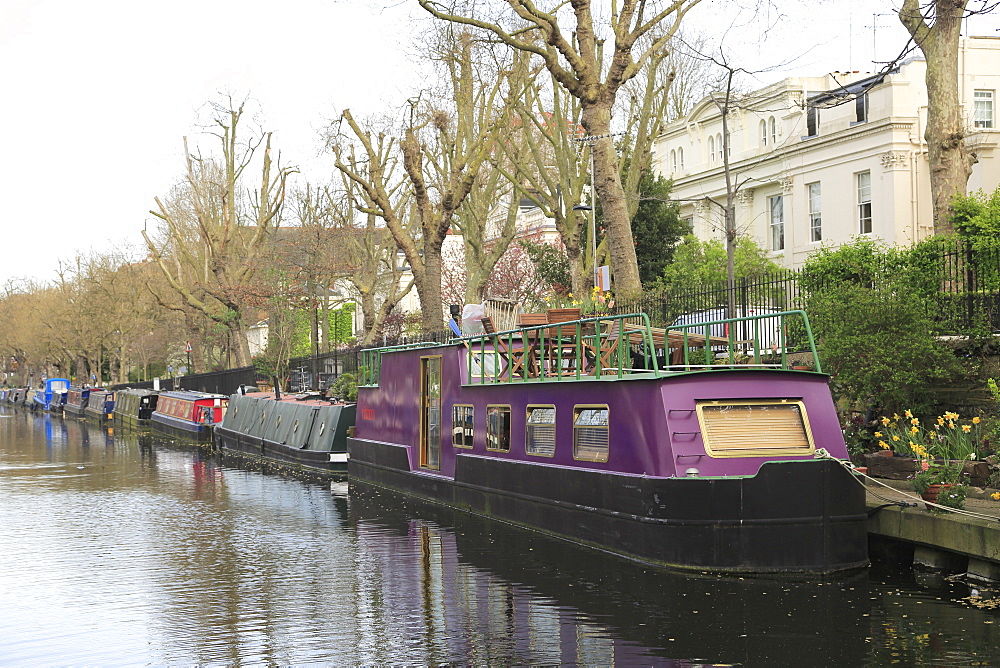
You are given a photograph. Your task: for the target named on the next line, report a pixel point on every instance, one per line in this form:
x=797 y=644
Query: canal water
x=131 y=548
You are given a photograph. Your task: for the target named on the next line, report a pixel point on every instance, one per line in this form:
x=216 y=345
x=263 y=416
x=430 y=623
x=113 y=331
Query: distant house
x=823 y=159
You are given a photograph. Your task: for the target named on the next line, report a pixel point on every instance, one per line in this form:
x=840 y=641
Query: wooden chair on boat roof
x=503 y=312
x=564 y=348
x=614 y=350
x=506 y=353
x=524 y=360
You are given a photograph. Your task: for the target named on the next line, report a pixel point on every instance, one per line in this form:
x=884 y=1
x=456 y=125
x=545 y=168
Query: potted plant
x=941 y=483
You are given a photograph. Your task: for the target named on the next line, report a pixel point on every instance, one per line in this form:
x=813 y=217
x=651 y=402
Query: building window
x=777 y=207
x=590 y=433
x=812 y=121
x=861 y=108
x=815 y=207
x=711 y=149
x=461 y=426
x=673 y=161
x=865 y=203
x=680 y=158
x=719 y=146
x=763 y=133
x=498 y=428
x=982 y=108
x=540 y=431
x=774 y=130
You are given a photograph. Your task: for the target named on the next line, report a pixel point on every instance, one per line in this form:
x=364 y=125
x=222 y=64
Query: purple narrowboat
x=670 y=447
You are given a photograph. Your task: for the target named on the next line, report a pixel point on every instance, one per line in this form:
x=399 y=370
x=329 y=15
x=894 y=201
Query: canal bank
x=942 y=540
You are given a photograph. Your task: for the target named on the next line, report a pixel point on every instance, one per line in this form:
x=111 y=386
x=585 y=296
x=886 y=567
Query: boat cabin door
x=430 y=412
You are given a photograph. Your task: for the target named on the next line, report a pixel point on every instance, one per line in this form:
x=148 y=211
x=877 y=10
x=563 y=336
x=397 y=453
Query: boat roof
x=193 y=395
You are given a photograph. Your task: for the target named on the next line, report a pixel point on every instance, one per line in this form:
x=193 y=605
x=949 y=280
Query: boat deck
x=614 y=347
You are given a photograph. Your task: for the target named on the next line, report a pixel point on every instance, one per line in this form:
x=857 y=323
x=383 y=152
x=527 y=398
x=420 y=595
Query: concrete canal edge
x=944 y=541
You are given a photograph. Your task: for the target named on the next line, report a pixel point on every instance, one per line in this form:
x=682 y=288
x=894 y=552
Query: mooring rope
x=821 y=453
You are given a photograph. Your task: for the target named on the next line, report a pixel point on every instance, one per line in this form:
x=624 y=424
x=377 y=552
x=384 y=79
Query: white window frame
x=680 y=157
x=711 y=148
x=982 y=109
x=814 y=195
x=863 y=187
x=673 y=161
x=774 y=130
x=763 y=133
x=776 y=213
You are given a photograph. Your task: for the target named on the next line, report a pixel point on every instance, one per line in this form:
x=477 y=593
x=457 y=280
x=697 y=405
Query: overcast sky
x=97 y=95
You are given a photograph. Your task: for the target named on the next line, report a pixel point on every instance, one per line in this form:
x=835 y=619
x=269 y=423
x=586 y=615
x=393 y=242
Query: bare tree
x=443 y=149
x=576 y=62
x=212 y=241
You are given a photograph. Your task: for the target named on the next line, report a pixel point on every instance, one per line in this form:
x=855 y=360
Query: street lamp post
x=593 y=235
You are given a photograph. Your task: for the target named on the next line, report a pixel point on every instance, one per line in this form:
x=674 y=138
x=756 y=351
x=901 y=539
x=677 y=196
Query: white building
x=824 y=159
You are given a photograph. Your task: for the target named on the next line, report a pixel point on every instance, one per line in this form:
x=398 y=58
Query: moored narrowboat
x=189 y=414
x=51 y=396
x=306 y=430
x=100 y=404
x=669 y=447
x=134 y=407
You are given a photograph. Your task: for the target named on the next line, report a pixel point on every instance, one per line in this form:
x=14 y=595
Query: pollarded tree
x=443 y=147
x=936 y=28
x=213 y=240
x=640 y=30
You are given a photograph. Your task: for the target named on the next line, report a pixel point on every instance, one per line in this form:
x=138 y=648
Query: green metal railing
x=622 y=345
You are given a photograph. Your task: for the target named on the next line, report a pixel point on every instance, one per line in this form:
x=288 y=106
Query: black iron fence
x=960 y=282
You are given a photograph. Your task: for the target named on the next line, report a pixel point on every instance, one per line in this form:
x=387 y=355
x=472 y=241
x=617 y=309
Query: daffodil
x=966 y=428
x=878 y=434
x=975 y=420
x=914 y=421
x=995 y=496
x=908 y=414
x=895 y=437
x=885 y=422
x=883 y=445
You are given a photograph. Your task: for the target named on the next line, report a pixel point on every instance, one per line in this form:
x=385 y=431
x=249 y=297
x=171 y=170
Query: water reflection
x=128 y=547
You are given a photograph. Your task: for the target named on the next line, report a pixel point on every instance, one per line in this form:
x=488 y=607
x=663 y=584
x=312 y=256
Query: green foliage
x=937 y=474
x=878 y=347
x=869 y=305
x=656 y=227
x=345 y=387
x=551 y=265
x=703 y=263
x=977 y=215
x=865 y=262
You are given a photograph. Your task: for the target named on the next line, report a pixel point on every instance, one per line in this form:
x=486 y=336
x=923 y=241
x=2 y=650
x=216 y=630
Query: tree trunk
x=596 y=119
x=950 y=161
x=429 y=289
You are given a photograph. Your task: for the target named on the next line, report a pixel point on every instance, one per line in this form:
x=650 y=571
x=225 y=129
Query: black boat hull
x=792 y=517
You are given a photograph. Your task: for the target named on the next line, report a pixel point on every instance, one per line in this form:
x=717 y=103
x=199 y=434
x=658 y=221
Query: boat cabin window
x=737 y=428
x=590 y=433
x=461 y=426
x=498 y=428
x=540 y=431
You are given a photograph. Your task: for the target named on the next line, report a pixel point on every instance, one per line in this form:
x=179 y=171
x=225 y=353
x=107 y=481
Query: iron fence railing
x=959 y=280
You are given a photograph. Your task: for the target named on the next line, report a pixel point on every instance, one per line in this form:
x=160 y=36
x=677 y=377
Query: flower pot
x=932 y=492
